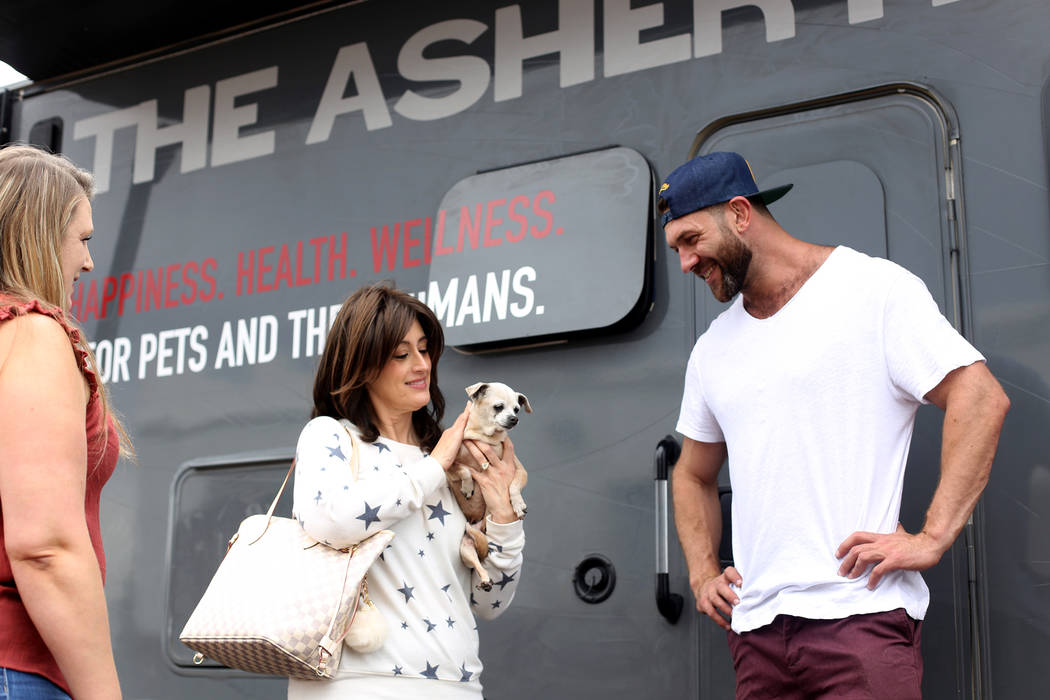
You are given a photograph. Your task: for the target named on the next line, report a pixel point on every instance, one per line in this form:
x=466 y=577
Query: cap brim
x=773 y=194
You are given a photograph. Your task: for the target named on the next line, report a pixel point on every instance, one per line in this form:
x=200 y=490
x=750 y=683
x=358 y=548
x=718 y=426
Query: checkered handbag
x=281 y=602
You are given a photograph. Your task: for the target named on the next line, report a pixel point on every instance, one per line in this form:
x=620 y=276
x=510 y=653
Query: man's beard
x=735 y=258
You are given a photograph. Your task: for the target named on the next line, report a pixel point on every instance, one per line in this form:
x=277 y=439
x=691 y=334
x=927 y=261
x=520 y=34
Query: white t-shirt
x=426 y=593
x=816 y=405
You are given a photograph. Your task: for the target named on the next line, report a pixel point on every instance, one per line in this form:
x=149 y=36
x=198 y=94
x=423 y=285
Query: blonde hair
x=39 y=192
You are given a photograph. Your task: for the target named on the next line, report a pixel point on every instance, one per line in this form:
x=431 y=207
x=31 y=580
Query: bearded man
x=809 y=383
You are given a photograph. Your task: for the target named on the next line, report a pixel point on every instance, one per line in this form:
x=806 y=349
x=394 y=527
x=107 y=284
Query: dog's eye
x=498 y=407
x=515 y=409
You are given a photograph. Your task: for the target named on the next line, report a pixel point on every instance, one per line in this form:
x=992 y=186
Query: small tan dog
x=493 y=412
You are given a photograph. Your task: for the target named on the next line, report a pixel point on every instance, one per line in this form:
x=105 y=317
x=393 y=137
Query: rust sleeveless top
x=21 y=647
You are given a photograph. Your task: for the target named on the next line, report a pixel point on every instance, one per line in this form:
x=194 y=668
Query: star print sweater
x=428 y=596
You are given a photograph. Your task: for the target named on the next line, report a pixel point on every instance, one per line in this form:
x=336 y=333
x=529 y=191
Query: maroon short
x=869 y=657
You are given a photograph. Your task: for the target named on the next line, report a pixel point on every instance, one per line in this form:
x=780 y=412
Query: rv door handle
x=669 y=604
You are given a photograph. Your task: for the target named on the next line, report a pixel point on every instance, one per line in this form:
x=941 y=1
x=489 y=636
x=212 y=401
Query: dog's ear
x=476 y=391
x=523 y=401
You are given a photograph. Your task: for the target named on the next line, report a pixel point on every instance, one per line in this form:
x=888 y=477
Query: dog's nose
x=512 y=421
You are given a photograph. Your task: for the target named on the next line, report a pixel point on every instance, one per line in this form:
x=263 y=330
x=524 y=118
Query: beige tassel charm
x=369 y=629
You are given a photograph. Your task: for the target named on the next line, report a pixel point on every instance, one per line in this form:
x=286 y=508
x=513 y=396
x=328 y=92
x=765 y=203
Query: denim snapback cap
x=708 y=180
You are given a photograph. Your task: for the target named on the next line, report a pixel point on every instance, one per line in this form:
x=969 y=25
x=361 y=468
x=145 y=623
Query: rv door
x=876 y=170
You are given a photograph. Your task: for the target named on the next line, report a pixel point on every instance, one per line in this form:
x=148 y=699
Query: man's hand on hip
x=715 y=598
x=892 y=552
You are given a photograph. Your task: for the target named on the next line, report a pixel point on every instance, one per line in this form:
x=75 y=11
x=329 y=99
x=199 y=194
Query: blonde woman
x=60 y=441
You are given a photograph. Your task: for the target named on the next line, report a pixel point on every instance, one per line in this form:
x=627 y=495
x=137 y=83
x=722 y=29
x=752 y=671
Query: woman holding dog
x=60 y=444
x=377 y=379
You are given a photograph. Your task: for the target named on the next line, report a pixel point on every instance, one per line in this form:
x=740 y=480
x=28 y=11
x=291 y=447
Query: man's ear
x=738 y=212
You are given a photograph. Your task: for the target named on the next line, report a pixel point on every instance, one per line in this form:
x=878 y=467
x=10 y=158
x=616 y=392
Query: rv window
x=543 y=250
x=210 y=498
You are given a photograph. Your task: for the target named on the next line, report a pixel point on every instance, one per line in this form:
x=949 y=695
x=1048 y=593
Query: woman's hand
x=494 y=482
x=448 y=446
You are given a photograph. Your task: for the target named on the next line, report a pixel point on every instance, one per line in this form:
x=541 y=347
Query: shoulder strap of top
x=10 y=308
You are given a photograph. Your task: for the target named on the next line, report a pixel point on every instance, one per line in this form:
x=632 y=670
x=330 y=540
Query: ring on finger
x=484 y=466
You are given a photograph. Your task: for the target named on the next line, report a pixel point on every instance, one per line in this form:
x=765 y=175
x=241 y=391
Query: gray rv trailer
x=501 y=161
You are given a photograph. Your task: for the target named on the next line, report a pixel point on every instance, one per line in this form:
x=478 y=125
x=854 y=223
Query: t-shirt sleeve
x=921 y=346
x=695 y=419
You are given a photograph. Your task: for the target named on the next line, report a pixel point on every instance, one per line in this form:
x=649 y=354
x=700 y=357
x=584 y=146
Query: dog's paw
x=466 y=484
x=520 y=509
x=485 y=586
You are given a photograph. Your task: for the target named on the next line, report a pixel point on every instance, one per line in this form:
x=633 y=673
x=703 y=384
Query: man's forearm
x=698 y=518
x=973 y=420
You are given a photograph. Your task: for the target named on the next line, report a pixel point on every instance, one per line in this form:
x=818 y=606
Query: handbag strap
x=353 y=469
x=328 y=643
x=353 y=448
x=291 y=468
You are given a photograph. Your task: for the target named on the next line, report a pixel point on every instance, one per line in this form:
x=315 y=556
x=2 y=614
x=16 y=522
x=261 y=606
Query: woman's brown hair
x=363 y=337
